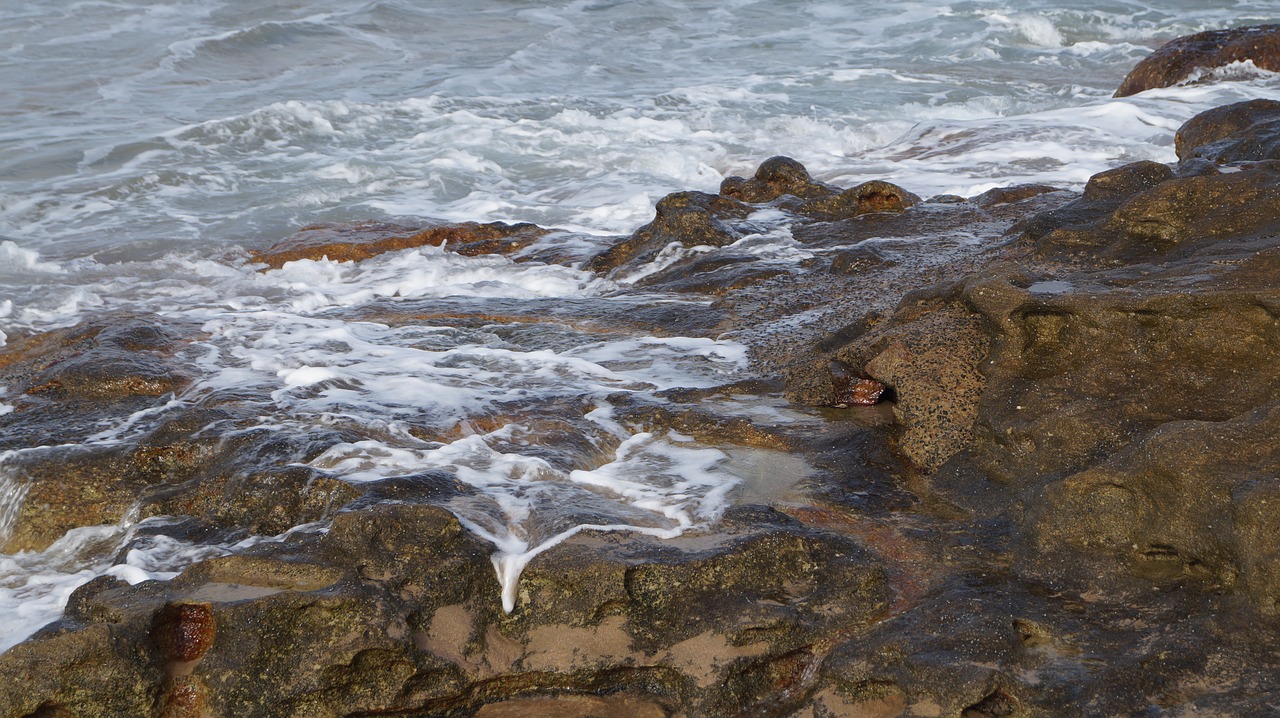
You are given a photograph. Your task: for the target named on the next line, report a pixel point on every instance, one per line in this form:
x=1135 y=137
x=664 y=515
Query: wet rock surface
x=1181 y=58
x=1029 y=468
x=362 y=240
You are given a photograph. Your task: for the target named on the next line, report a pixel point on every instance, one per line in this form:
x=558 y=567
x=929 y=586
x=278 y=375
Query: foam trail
x=12 y=494
x=512 y=556
x=656 y=485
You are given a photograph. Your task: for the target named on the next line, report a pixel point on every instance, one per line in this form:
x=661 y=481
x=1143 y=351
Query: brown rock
x=690 y=219
x=867 y=198
x=263 y=502
x=851 y=390
x=357 y=241
x=1171 y=218
x=1190 y=502
x=1242 y=132
x=184 y=631
x=929 y=354
x=1126 y=181
x=776 y=177
x=1011 y=194
x=1177 y=59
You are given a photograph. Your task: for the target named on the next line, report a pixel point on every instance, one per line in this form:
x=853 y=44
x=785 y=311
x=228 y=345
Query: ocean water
x=147 y=147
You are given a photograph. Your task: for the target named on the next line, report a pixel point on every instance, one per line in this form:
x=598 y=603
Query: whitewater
x=148 y=149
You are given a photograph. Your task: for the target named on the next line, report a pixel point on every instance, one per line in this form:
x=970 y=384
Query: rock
x=106 y=365
x=1169 y=219
x=714 y=274
x=1242 y=132
x=1103 y=193
x=1012 y=194
x=394 y=609
x=1186 y=503
x=1178 y=59
x=184 y=631
x=71 y=384
x=1065 y=496
x=1123 y=182
x=357 y=241
x=69 y=489
x=867 y=198
x=686 y=219
x=776 y=177
x=851 y=390
x=261 y=502
x=928 y=354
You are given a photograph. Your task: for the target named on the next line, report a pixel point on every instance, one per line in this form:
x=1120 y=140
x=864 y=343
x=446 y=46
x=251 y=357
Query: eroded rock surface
x=1038 y=476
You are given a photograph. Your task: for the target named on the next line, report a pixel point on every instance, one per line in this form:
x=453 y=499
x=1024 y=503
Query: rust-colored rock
x=353 y=242
x=849 y=389
x=1178 y=59
x=185 y=631
x=184 y=697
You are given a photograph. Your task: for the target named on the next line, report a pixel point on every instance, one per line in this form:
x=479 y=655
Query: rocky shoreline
x=1041 y=426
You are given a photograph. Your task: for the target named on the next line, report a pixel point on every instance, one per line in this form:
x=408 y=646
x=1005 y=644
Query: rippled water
x=147 y=146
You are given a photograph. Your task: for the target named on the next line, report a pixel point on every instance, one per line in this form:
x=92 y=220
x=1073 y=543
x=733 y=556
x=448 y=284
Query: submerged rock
x=684 y=219
x=1180 y=58
x=362 y=240
x=687 y=246
x=776 y=177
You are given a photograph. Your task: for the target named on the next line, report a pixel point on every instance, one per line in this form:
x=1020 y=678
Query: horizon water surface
x=149 y=146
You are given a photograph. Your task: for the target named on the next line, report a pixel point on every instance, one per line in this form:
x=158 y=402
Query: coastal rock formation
x=675 y=251
x=393 y=609
x=1181 y=58
x=1029 y=467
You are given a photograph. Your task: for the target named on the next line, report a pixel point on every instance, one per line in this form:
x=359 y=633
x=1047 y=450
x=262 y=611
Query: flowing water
x=148 y=146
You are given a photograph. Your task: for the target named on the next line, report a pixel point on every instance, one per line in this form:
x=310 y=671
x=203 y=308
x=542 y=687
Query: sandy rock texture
x=1036 y=473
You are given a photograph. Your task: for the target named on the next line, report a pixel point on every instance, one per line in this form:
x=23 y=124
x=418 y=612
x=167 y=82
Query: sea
x=148 y=146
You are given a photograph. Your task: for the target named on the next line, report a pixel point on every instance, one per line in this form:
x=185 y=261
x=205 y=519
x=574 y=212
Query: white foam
x=35 y=585
x=668 y=362
x=17 y=260
x=656 y=485
x=427 y=272
x=1035 y=29
x=13 y=493
x=1230 y=72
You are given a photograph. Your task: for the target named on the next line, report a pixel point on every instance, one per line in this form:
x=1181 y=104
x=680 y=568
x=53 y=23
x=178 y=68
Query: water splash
x=13 y=492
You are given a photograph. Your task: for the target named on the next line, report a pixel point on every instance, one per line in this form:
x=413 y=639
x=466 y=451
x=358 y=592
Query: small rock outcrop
x=361 y=240
x=1178 y=59
x=685 y=219
x=1241 y=132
